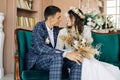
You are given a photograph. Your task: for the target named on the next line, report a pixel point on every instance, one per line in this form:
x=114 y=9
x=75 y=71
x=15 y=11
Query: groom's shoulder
x=39 y=25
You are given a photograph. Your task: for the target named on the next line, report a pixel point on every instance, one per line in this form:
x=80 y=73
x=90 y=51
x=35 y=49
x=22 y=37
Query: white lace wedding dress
x=92 y=69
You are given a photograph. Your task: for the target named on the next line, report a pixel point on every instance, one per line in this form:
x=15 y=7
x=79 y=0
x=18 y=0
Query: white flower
x=72 y=7
x=90 y=24
x=76 y=44
x=89 y=19
x=99 y=21
x=97 y=27
x=97 y=52
x=93 y=24
x=76 y=11
x=47 y=41
x=83 y=41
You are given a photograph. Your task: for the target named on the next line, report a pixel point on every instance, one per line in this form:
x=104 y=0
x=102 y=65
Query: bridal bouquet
x=78 y=43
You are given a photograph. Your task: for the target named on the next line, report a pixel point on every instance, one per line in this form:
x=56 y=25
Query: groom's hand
x=74 y=56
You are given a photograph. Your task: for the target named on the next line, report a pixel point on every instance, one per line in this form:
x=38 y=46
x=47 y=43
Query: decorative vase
x=1 y=44
x=30 y=3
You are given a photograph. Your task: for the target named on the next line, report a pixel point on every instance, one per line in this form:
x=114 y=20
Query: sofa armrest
x=17 y=72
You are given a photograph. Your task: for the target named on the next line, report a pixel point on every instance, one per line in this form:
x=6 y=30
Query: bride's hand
x=74 y=56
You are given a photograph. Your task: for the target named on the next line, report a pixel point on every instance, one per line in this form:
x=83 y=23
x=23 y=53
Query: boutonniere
x=47 y=41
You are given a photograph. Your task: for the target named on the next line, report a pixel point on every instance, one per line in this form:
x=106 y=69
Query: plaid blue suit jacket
x=39 y=46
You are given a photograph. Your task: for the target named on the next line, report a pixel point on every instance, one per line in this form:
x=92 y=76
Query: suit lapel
x=55 y=34
x=45 y=30
x=46 y=34
x=55 y=37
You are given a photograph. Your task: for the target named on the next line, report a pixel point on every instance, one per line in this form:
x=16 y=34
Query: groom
x=43 y=55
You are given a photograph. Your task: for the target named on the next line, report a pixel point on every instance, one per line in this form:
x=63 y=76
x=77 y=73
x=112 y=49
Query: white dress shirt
x=51 y=36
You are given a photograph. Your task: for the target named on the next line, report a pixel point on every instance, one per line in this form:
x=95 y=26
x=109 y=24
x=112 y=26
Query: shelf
x=21 y=9
x=26 y=28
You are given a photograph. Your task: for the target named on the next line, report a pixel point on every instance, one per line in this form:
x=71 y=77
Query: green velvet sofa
x=109 y=53
x=22 y=45
x=110 y=47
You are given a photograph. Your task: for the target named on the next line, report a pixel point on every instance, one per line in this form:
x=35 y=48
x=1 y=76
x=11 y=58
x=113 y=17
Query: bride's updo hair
x=79 y=19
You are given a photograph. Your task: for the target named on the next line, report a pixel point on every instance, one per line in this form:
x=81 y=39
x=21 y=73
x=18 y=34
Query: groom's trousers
x=55 y=63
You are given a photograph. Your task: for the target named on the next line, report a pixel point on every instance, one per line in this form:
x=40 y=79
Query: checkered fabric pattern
x=44 y=56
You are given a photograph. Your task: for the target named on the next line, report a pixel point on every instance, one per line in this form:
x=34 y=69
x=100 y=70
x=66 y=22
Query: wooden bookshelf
x=27 y=15
x=10 y=24
x=23 y=27
x=26 y=10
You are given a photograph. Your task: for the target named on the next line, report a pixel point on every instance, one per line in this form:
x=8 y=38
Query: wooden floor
x=8 y=77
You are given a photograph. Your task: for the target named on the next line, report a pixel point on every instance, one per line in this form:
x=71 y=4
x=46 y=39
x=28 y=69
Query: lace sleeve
x=60 y=43
x=87 y=34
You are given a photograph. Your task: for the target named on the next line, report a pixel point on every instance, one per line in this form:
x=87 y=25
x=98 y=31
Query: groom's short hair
x=51 y=11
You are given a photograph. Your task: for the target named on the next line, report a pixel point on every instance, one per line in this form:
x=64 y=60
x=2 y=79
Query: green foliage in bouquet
x=97 y=21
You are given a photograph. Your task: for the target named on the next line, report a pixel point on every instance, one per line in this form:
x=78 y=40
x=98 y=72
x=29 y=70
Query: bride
x=92 y=69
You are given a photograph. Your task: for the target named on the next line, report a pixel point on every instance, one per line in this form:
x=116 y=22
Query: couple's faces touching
x=56 y=19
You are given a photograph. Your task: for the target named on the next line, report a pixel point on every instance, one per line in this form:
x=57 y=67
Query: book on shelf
x=26 y=21
x=32 y=22
x=20 y=21
x=26 y=5
x=18 y=3
x=23 y=4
